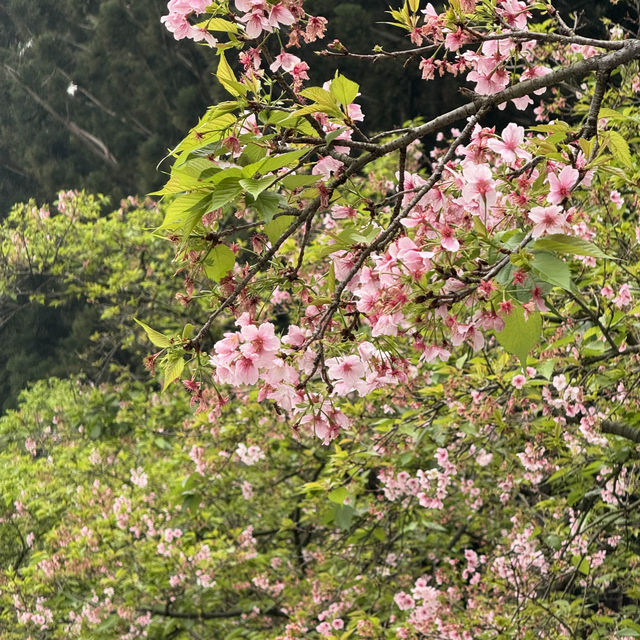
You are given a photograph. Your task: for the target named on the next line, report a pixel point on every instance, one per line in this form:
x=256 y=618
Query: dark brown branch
x=621 y=429
x=590 y=127
x=212 y=615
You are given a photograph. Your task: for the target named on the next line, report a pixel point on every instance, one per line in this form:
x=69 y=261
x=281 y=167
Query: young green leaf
x=157 y=338
x=520 y=335
x=344 y=90
x=219 y=262
x=172 y=369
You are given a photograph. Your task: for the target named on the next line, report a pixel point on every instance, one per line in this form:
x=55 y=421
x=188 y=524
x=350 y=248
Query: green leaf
x=318 y=94
x=519 y=336
x=185 y=211
x=273 y=163
x=571 y=245
x=256 y=186
x=332 y=135
x=619 y=148
x=277 y=227
x=338 y=495
x=228 y=79
x=552 y=270
x=218 y=24
x=344 y=516
x=546 y=368
x=344 y=90
x=172 y=370
x=267 y=205
x=219 y=262
x=295 y=181
x=225 y=191
x=582 y=565
x=157 y=338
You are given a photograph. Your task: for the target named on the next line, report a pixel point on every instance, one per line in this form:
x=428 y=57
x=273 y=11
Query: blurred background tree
x=77 y=79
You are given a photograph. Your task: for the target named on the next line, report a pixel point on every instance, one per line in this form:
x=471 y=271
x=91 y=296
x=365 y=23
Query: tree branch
x=621 y=429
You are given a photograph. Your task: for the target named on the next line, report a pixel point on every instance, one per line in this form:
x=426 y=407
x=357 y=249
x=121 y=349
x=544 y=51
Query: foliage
x=421 y=417
x=71 y=278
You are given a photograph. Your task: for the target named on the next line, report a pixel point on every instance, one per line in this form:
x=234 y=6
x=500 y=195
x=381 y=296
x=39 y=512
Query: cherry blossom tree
x=414 y=398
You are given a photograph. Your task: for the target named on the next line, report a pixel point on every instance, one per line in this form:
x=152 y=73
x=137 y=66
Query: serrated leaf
x=520 y=335
x=273 y=163
x=172 y=370
x=219 y=261
x=228 y=79
x=295 y=181
x=157 y=338
x=344 y=516
x=185 y=211
x=267 y=205
x=551 y=269
x=277 y=227
x=225 y=191
x=218 y=24
x=619 y=148
x=569 y=245
x=344 y=90
x=318 y=94
x=256 y=187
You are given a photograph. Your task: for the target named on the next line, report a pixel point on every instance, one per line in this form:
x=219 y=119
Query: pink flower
x=428 y=68
x=349 y=369
x=514 y=13
x=560 y=186
x=286 y=61
x=246 y=370
x=509 y=148
x=519 y=381
x=547 y=220
x=256 y=23
x=623 y=299
x=261 y=343
x=448 y=239
x=404 y=601
x=479 y=187
x=454 y=41
x=316 y=26
x=280 y=15
x=616 y=198
x=326 y=166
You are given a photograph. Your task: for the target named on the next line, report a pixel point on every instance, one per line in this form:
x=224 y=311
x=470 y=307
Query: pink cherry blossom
x=510 y=147
x=518 y=381
x=560 y=186
x=280 y=15
x=261 y=343
x=514 y=13
x=479 y=187
x=348 y=369
x=547 y=220
x=448 y=239
x=326 y=166
x=285 y=61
